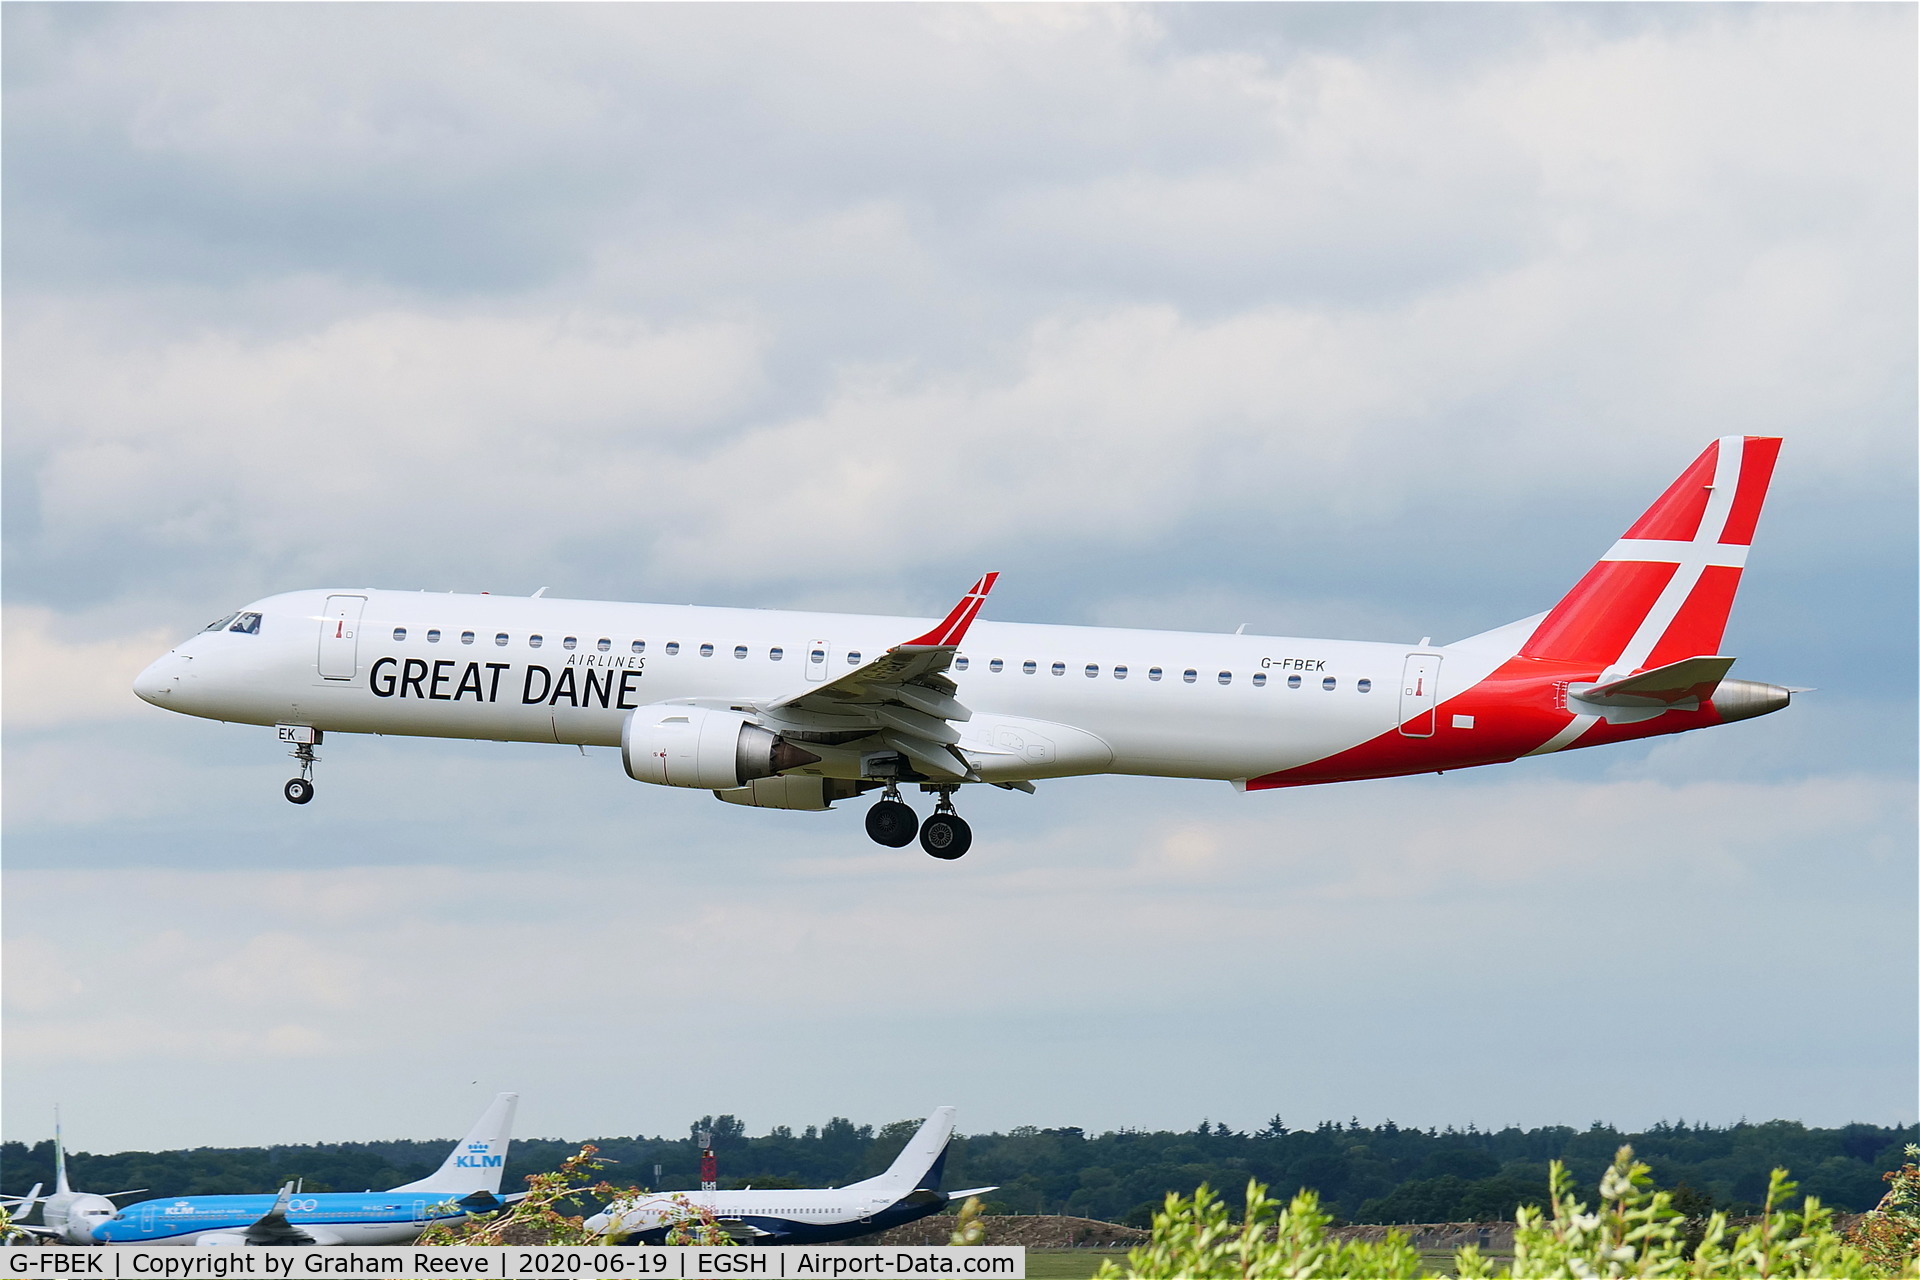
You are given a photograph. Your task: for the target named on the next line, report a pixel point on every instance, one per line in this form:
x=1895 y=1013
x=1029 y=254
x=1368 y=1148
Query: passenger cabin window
x=1093 y=669
x=1259 y=679
x=220 y=624
x=1189 y=675
x=996 y=665
x=673 y=647
x=433 y=636
x=739 y=651
x=399 y=633
x=603 y=644
x=1226 y=677
x=569 y=642
x=1364 y=686
x=706 y=651
x=500 y=639
x=1328 y=683
x=466 y=637
x=639 y=646
x=817 y=657
x=1029 y=666
x=776 y=653
x=959 y=663
x=1293 y=682
x=246 y=624
x=534 y=642
x=1153 y=673
x=853 y=658
x=1119 y=673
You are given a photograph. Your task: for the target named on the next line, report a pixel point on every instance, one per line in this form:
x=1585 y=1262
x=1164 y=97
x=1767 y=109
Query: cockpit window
x=246 y=624
x=222 y=624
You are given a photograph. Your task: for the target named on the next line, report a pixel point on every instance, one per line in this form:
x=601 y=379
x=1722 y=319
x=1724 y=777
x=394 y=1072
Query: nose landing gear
x=304 y=738
x=891 y=821
x=945 y=834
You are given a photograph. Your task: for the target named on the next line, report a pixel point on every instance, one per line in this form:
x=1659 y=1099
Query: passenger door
x=339 y=657
x=1419 y=694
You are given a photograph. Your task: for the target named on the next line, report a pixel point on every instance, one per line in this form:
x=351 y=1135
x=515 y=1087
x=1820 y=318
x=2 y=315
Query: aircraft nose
x=597 y=1224
x=157 y=683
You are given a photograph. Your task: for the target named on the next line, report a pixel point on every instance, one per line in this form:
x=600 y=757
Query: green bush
x=1635 y=1231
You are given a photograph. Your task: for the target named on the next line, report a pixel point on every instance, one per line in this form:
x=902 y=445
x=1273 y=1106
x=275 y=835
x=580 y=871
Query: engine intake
x=697 y=747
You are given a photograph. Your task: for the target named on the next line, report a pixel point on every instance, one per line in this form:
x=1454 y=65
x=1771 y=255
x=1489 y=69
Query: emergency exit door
x=340 y=637
x=817 y=659
x=1419 y=694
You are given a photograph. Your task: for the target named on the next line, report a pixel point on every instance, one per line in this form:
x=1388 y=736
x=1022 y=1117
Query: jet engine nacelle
x=674 y=746
x=792 y=792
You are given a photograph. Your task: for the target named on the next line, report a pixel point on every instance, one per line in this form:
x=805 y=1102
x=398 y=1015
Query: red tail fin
x=1664 y=590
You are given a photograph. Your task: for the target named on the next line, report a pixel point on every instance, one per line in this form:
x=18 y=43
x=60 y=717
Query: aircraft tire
x=946 y=835
x=298 y=790
x=892 y=823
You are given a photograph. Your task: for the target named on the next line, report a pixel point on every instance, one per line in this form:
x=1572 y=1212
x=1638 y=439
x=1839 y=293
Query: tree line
x=1382 y=1173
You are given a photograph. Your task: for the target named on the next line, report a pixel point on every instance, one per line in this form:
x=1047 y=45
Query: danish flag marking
x=1692 y=558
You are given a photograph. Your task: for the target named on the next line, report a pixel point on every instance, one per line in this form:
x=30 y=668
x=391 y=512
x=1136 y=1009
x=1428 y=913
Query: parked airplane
x=67 y=1216
x=467 y=1182
x=791 y=710
x=907 y=1191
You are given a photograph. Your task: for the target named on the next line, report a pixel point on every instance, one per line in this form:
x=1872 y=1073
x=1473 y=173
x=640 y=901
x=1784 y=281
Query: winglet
x=950 y=632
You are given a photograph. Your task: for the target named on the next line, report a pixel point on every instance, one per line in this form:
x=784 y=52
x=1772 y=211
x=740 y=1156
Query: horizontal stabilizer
x=1688 y=680
x=970 y=1191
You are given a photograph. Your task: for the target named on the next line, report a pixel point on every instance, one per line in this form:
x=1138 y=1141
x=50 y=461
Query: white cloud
x=61 y=671
x=632 y=300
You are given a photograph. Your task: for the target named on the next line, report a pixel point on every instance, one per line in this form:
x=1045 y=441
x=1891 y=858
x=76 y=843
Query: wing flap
x=917 y=724
x=929 y=757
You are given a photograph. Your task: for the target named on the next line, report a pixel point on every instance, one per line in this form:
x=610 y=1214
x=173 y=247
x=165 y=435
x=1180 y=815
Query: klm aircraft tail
x=477 y=1162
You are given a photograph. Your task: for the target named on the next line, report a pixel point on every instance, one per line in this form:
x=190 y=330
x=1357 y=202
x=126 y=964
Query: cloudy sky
x=1357 y=321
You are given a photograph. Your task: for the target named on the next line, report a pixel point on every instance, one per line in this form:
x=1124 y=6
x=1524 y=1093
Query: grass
x=1068 y=1264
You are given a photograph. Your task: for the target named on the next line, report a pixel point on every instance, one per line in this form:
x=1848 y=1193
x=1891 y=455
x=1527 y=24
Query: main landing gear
x=945 y=834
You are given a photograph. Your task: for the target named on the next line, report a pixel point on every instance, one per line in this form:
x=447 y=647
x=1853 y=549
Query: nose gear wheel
x=300 y=790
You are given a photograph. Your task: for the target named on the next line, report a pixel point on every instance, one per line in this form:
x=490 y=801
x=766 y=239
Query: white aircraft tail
x=479 y=1159
x=60 y=1187
x=920 y=1162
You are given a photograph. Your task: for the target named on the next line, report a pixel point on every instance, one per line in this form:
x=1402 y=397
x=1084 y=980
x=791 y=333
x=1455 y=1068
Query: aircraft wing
x=905 y=696
x=741 y=1230
x=34 y=1229
x=272 y=1226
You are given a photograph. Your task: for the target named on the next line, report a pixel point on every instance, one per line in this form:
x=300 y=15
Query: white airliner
x=67 y=1216
x=791 y=710
x=908 y=1190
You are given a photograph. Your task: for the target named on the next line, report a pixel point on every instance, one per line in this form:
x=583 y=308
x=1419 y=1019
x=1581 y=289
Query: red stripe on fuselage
x=1517 y=709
